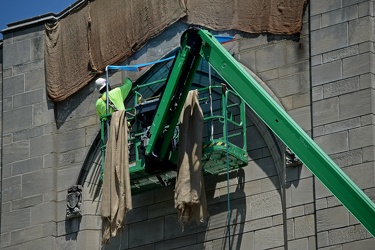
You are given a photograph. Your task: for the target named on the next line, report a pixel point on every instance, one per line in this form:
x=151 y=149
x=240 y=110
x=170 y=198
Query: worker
x=116 y=96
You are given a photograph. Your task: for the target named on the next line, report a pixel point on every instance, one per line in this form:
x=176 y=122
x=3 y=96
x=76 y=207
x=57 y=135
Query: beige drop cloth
x=190 y=196
x=102 y=32
x=116 y=196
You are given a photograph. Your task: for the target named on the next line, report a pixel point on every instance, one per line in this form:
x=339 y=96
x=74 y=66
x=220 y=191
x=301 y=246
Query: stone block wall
x=272 y=207
x=28 y=144
x=342 y=65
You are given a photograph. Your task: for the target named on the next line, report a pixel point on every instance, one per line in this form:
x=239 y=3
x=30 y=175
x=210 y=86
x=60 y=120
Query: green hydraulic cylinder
x=274 y=116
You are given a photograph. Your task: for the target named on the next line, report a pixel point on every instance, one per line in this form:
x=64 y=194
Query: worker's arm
x=125 y=88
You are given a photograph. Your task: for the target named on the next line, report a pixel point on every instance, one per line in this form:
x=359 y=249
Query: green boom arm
x=197 y=44
x=346 y=191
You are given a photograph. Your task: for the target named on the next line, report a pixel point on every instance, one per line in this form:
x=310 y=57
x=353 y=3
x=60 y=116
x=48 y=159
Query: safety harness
x=110 y=103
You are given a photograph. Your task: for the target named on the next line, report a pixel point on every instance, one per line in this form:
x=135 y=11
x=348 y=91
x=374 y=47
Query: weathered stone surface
x=17 y=119
x=16 y=53
x=27 y=234
x=333 y=143
x=269 y=238
x=326 y=111
x=155 y=232
x=355 y=104
x=339 y=15
x=15 y=220
x=341 y=87
x=327 y=72
x=334 y=37
x=361 y=137
x=321 y=6
x=305 y=226
x=331 y=218
x=264 y=204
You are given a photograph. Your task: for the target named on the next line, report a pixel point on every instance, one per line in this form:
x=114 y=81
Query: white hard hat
x=100 y=83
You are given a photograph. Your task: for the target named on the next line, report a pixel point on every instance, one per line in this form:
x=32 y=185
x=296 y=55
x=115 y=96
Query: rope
x=227 y=166
x=211 y=109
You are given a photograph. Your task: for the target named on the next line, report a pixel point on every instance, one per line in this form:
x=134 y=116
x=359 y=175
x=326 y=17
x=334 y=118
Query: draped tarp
x=104 y=32
x=190 y=194
x=116 y=197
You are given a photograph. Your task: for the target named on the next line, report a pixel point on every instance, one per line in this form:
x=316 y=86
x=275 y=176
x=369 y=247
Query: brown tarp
x=190 y=195
x=105 y=32
x=116 y=196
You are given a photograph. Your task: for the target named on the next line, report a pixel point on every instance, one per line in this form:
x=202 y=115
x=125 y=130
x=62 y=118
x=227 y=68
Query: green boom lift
x=196 y=44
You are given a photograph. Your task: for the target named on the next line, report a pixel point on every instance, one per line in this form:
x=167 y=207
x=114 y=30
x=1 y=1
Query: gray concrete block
x=302 y=193
x=330 y=38
x=37 y=48
x=17 y=119
x=331 y=218
x=360 y=30
x=321 y=6
x=341 y=87
x=27 y=133
x=35 y=80
x=15 y=220
x=38 y=182
x=367 y=46
x=155 y=232
x=16 y=53
x=27 y=234
x=327 y=72
x=365 y=9
x=71 y=140
x=333 y=143
x=44 y=115
x=42 y=145
x=304 y=226
x=90 y=239
x=176 y=243
x=362 y=175
x=28 y=67
x=325 y=111
x=290 y=229
x=296 y=51
x=16 y=152
x=355 y=104
x=317 y=93
x=269 y=238
x=300 y=244
x=365 y=244
x=4 y=240
x=161 y=209
x=264 y=204
x=260 y=169
x=27 y=202
x=302 y=117
x=13 y=85
x=289 y=85
x=270 y=57
x=339 y=15
x=348 y=234
x=28 y=98
x=352 y=2
x=322 y=239
x=340 y=53
x=357 y=65
x=293 y=212
x=368 y=154
x=342 y=125
x=11 y=188
x=361 y=137
x=67 y=177
x=352 y=157
x=42 y=243
x=74 y=157
x=27 y=33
